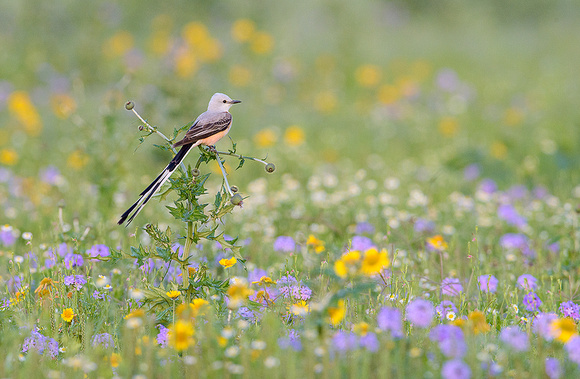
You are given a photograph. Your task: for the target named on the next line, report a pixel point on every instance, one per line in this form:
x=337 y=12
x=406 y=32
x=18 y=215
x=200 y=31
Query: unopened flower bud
x=195 y=172
x=270 y=167
x=234 y=189
x=129 y=105
x=141 y=128
x=236 y=199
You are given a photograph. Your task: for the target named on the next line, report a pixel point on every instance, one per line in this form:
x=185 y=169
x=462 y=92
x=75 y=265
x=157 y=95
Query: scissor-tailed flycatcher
x=211 y=126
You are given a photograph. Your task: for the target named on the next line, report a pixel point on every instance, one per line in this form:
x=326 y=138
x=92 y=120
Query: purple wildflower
x=292 y=341
x=527 y=282
x=513 y=241
x=99 y=296
x=422 y=225
x=455 y=369
x=509 y=214
x=344 y=341
x=364 y=227
x=487 y=283
x=4 y=303
x=256 y=274
x=488 y=186
x=73 y=260
x=361 y=243
x=104 y=339
x=471 y=172
x=77 y=280
x=573 y=349
x=570 y=309
x=532 y=302
x=370 y=342
x=515 y=338
x=50 y=175
x=162 y=336
x=284 y=244
x=98 y=250
x=447 y=80
x=450 y=340
x=389 y=319
x=420 y=313
x=40 y=343
x=451 y=286
x=553 y=369
x=63 y=249
x=305 y=293
x=542 y=325
x=445 y=307
x=7 y=236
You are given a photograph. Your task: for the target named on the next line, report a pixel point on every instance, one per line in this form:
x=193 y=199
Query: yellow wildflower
x=264 y=281
x=513 y=116
x=352 y=257
x=317 y=244
x=448 y=126
x=336 y=314
x=240 y=76
x=325 y=102
x=63 y=105
x=45 y=287
x=77 y=160
x=186 y=64
x=294 y=136
x=173 y=294
x=243 y=30
x=498 y=150
x=118 y=44
x=137 y=313
x=265 y=138
x=262 y=43
x=388 y=94
x=563 y=329
x=478 y=322
x=238 y=292
x=437 y=242
x=21 y=107
x=227 y=263
x=67 y=314
x=180 y=335
x=115 y=360
x=8 y=157
x=340 y=268
x=368 y=75
x=198 y=306
x=362 y=328
x=373 y=261
x=300 y=308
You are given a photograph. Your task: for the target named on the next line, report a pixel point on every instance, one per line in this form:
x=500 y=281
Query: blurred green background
x=398 y=88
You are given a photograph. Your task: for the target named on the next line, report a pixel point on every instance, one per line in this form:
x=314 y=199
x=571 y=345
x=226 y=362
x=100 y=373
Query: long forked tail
x=146 y=195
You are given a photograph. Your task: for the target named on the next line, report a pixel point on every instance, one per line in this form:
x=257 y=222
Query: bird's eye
x=225 y=101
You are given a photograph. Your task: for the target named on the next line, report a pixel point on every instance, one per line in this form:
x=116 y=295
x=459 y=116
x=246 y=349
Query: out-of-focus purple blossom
x=49 y=263
x=361 y=243
x=540 y=192
x=451 y=287
x=284 y=244
x=292 y=341
x=510 y=215
x=450 y=340
x=98 y=295
x=445 y=307
x=447 y=80
x=532 y=302
x=488 y=186
x=15 y=283
x=389 y=319
x=246 y=313
x=256 y=274
x=553 y=247
x=162 y=336
x=424 y=226
x=51 y=175
x=492 y=368
x=487 y=283
x=301 y=292
x=573 y=349
x=364 y=227
x=553 y=368
x=420 y=313
x=40 y=343
x=542 y=325
x=513 y=241
x=527 y=282
x=370 y=342
x=5 y=174
x=99 y=250
x=104 y=339
x=570 y=309
x=455 y=369
x=73 y=260
x=63 y=249
x=517 y=192
x=471 y=172
x=515 y=338
x=4 y=303
x=7 y=235
x=344 y=341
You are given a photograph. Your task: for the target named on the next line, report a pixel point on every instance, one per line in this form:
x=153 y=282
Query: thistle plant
x=200 y=221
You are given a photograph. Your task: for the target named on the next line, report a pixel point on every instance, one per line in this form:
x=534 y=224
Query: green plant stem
x=219 y=161
x=186 y=254
x=242 y=156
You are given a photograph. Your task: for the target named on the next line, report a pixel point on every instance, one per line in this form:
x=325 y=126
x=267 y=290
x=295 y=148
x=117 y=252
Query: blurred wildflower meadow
x=422 y=220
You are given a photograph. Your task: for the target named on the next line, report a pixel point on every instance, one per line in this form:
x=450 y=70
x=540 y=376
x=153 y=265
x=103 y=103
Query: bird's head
x=221 y=103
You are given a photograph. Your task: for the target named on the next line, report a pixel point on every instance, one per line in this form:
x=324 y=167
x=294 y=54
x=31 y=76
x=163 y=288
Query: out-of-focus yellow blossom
x=388 y=94
x=336 y=314
x=262 y=43
x=180 y=335
x=478 y=323
x=77 y=160
x=115 y=360
x=325 y=102
x=498 y=150
x=265 y=281
x=374 y=261
x=118 y=44
x=340 y=268
x=362 y=328
x=368 y=75
x=513 y=116
x=215 y=167
x=160 y=39
x=137 y=313
x=227 y=263
x=351 y=258
x=243 y=30
x=294 y=135
x=198 y=306
x=18 y=297
x=186 y=64
x=563 y=329
x=8 y=157
x=240 y=76
x=21 y=107
x=300 y=308
x=238 y=292
x=315 y=243
x=407 y=86
x=265 y=138
x=437 y=242
x=196 y=35
x=62 y=105
x=448 y=126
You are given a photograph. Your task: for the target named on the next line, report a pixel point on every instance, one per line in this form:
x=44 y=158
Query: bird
x=211 y=126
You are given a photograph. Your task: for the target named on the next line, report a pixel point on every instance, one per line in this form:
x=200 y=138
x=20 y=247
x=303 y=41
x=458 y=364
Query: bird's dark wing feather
x=203 y=129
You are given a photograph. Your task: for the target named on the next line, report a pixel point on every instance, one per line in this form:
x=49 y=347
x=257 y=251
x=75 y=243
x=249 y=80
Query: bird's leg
x=212 y=149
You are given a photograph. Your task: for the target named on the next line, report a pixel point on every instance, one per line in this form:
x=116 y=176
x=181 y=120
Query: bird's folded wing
x=206 y=127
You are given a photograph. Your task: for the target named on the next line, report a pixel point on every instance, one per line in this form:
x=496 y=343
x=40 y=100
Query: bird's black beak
x=235 y=101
